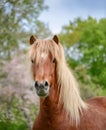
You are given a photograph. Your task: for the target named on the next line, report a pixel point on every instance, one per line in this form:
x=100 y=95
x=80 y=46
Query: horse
x=61 y=106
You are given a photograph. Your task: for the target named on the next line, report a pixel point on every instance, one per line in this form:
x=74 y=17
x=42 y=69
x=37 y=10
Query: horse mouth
x=42 y=93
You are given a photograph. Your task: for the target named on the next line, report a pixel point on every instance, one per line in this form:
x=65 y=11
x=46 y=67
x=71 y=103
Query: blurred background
x=81 y=27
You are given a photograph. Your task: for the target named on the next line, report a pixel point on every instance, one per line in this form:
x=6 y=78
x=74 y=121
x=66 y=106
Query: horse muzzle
x=42 y=88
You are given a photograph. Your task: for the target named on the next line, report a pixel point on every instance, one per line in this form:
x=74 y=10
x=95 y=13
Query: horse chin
x=43 y=96
x=43 y=93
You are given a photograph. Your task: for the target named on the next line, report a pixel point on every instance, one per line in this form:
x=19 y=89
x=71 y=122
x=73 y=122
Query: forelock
x=41 y=48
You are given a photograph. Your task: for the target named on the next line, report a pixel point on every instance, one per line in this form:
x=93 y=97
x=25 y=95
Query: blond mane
x=69 y=94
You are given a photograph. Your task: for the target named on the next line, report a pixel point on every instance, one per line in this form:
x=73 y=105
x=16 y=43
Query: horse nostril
x=36 y=84
x=46 y=83
x=41 y=85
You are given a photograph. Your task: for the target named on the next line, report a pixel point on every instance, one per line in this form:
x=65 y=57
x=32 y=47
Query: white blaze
x=44 y=55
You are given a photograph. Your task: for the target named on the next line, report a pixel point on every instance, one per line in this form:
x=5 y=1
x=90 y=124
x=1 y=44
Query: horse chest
x=51 y=123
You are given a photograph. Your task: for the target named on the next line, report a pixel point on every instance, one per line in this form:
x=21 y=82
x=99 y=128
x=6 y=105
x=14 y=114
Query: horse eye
x=32 y=61
x=54 y=60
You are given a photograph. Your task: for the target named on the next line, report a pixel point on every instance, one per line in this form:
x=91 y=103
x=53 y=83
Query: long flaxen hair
x=69 y=94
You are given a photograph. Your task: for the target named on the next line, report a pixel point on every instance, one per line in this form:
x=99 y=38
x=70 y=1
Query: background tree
x=86 y=42
x=18 y=20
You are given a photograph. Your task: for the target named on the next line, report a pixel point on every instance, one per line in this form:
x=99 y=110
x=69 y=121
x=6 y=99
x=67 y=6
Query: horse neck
x=50 y=103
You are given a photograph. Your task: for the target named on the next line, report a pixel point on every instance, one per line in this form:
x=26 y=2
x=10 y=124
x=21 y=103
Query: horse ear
x=55 y=38
x=32 y=40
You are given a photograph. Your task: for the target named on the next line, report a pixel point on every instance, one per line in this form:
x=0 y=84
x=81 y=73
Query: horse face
x=43 y=73
x=43 y=65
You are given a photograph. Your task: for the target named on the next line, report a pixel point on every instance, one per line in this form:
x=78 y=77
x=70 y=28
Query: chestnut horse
x=61 y=106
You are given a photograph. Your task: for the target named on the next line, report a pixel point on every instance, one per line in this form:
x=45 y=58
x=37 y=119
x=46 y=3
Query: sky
x=61 y=12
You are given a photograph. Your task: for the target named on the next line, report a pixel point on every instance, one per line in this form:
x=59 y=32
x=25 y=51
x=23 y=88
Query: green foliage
x=18 y=19
x=102 y=77
x=13 y=115
x=88 y=37
x=8 y=125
